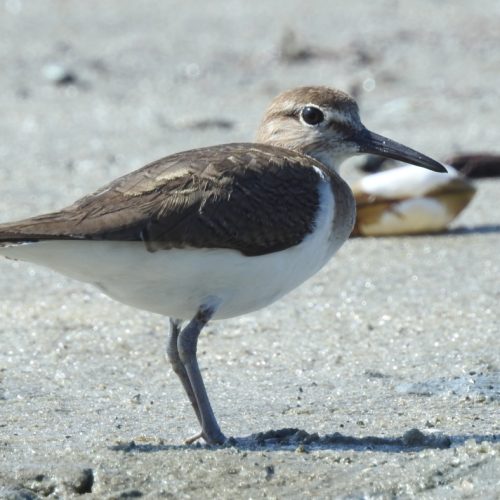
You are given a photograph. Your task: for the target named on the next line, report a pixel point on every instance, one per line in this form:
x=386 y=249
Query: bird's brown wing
x=256 y=199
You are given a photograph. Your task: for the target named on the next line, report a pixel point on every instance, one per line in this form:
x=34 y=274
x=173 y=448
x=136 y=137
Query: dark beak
x=370 y=142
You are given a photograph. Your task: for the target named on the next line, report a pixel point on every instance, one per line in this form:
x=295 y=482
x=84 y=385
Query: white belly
x=177 y=282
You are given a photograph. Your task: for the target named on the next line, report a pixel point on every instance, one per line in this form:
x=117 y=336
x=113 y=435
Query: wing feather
x=256 y=199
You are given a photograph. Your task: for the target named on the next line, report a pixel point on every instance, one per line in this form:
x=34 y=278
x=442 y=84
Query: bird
x=409 y=200
x=216 y=232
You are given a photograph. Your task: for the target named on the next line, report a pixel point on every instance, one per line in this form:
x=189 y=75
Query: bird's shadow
x=298 y=440
x=469 y=231
x=455 y=231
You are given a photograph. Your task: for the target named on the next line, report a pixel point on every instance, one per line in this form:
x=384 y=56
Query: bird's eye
x=312 y=115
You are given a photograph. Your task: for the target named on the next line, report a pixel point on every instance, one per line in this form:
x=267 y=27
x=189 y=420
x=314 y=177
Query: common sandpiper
x=216 y=232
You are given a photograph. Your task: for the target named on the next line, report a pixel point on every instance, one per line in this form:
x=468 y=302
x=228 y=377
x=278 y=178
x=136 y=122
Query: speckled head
x=324 y=123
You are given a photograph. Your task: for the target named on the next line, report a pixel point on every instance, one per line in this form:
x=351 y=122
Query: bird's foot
x=193 y=439
x=215 y=439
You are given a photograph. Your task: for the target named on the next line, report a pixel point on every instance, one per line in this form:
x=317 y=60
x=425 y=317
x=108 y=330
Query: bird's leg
x=186 y=345
x=177 y=366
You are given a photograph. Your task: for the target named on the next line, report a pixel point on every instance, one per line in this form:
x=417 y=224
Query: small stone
x=269 y=472
x=301 y=449
x=58 y=74
x=83 y=482
x=130 y=494
x=414 y=437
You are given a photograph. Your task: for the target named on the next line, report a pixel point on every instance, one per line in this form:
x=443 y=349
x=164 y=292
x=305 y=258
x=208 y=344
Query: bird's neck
x=329 y=160
x=291 y=139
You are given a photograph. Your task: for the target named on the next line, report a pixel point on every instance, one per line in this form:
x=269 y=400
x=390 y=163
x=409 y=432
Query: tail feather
x=43 y=227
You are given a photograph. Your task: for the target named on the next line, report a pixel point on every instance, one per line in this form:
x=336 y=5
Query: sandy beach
x=390 y=354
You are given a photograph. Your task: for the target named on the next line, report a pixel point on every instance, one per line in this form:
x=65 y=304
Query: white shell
x=405 y=182
x=415 y=207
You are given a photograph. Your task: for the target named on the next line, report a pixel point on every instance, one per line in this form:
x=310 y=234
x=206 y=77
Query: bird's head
x=324 y=123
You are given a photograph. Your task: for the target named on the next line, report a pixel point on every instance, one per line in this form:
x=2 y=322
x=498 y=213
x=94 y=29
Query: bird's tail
x=43 y=227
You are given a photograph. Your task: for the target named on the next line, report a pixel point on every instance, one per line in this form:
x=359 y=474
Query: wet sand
x=384 y=367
